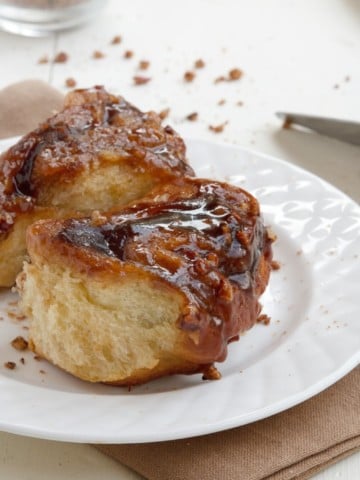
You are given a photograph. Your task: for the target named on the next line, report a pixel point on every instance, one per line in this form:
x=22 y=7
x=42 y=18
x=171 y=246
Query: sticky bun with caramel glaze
x=97 y=153
x=158 y=287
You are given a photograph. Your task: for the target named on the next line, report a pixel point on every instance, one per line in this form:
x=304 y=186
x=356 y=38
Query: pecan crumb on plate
x=144 y=64
x=264 y=319
x=116 y=40
x=97 y=54
x=199 y=63
x=70 y=82
x=275 y=265
x=141 y=80
x=192 y=117
x=189 y=76
x=218 y=128
x=211 y=373
x=235 y=74
x=10 y=365
x=19 y=343
x=15 y=315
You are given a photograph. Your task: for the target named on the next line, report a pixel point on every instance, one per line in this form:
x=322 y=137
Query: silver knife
x=341 y=129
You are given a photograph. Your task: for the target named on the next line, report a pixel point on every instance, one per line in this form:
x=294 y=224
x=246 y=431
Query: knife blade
x=344 y=130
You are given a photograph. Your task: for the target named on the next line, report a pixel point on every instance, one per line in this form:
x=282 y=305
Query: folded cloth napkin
x=25 y=104
x=294 y=444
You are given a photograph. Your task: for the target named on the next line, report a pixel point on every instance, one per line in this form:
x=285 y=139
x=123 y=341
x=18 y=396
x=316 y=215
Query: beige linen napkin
x=25 y=104
x=292 y=445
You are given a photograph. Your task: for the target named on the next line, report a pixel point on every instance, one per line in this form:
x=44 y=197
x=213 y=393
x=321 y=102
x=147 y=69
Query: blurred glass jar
x=37 y=18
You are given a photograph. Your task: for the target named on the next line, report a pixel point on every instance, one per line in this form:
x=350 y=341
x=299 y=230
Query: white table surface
x=297 y=56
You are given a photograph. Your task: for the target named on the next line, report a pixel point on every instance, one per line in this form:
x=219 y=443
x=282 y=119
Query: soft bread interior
x=118 y=332
x=13 y=247
x=100 y=187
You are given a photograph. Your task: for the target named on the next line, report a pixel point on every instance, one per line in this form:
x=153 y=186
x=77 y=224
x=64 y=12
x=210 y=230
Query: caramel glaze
x=205 y=238
x=94 y=127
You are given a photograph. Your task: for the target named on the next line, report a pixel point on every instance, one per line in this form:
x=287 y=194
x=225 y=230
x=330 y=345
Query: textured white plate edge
x=246 y=419
x=329 y=186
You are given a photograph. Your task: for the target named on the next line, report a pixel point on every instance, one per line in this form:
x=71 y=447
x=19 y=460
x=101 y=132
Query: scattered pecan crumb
x=42 y=372
x=275 y=265
x=164 y=113
x=220 y=79
x=19 y=343
x=16 y=315
x=264 y=319
x=240 y=103
x=116 y=40
x=22 y=360
x=144 y=64
x=44 y=59
x=61 y=57
x=218 y=128
x=141 y=80
x=336 y=86
x=10 y=365
x=189 y=76
x=97 y=54
x=347 y=78
x=211 y=373
x=287 y=123
x=222 y=101
x=128 y=54
x=192 y=117
x=13 y=304
x=1 y=318
x=70 y=82
x=25 y=327
x=235 y=74
x=37 y=358
x=199 y=63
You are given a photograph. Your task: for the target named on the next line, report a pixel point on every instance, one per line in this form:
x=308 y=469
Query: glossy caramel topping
x=206 y=239
x=94 y=127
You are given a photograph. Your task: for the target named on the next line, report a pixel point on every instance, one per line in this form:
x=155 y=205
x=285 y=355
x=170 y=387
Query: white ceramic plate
x=312 y=340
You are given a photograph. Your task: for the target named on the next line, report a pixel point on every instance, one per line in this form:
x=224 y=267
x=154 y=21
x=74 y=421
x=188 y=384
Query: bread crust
x=97 y=153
